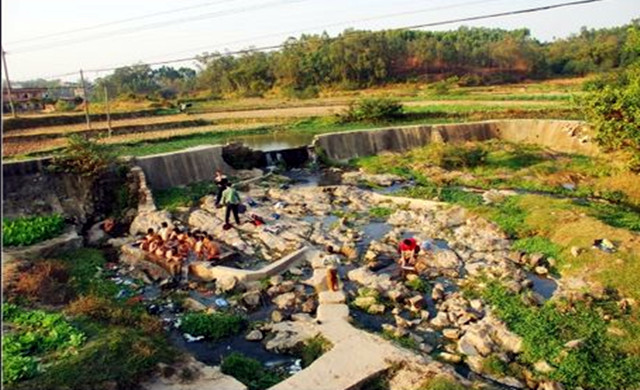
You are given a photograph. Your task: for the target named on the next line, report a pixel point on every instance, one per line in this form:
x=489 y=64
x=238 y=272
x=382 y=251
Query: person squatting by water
x=408 y=250
x=222 y=182
x=231 y=199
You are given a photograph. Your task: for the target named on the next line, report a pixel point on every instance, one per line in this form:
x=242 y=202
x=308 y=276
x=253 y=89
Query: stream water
x=273 y=141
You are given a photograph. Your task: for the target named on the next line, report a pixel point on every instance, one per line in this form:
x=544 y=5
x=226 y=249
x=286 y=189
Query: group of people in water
x=176 y=245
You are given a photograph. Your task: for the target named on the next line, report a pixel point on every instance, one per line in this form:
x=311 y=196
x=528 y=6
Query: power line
x=151 y=26
x=413 y=27
x=120 y=21
x=378 y=17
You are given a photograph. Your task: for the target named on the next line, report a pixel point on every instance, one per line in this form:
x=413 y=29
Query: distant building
x=35 y=98
x=24 y=99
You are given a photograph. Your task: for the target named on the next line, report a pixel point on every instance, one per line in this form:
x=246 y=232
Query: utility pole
x=106 y=101
x=6 y=76
x=86 y=101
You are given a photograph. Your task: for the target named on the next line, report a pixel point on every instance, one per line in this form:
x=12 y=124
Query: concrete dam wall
x=562 y=136
x=29 y=188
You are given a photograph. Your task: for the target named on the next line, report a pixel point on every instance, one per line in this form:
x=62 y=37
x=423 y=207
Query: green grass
x=380 y=212
x=599 y=363
x=31 y=230
x=188 y=196
x=213 y=326
x=538 y=244
x=615 y=215
x=249 y=371
x=441 y=383
x=418 y=284
x=404 y=341
x=114 y=355
x=85 y=267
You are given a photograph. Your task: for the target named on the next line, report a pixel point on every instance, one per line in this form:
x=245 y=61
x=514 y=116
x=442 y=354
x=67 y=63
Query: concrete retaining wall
x=187 y=166
x=562 y=136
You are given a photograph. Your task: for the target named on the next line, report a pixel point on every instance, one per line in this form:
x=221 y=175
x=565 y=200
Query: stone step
x=331 y=297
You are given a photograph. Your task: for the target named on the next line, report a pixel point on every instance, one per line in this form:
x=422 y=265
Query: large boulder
x=152 y=219
x=290 y=335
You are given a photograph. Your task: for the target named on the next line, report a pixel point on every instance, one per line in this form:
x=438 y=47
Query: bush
x=82 y=156
x=31 y=230
x=612 y=107
x=249 y=371
x=373 y=110
x=212 y=326
x=64 y=106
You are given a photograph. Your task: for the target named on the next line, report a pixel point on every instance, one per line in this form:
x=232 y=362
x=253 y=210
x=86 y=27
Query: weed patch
x=213 y=326
x=249 y=371
x=598 y=363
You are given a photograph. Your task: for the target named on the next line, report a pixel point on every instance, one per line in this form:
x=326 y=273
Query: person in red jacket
x=408 y=250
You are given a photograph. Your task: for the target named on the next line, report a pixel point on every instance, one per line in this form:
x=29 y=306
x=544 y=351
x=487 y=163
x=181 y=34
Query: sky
x=49 y=38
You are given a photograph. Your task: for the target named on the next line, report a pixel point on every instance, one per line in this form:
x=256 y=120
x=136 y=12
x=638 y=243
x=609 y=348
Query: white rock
x=254 y=335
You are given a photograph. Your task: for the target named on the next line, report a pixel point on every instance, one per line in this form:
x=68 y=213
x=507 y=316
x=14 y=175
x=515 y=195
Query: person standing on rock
x=331 y=263
x=222 y=182
x=231 y=199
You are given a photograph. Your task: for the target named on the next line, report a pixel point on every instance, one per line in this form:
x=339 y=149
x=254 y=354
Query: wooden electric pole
x=6 y=76
x=86 y=101
x=106 y=101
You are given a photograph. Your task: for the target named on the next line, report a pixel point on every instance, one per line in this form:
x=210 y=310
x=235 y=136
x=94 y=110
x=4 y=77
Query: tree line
x=359 y=59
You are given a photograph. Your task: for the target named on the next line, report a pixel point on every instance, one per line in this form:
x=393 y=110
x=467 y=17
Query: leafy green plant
x=85 y=266
x=213 y=326
x=31 y=230
x=35 y=332
x=249 y=371
x=373 y=110
x=82 y=156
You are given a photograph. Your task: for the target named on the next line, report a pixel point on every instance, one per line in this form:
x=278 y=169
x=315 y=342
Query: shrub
x=249 y=371
x=373 y=110
x=82 y=156
x=613 y=110
x=213 y=326
x=31 y=230
x=64 y=106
